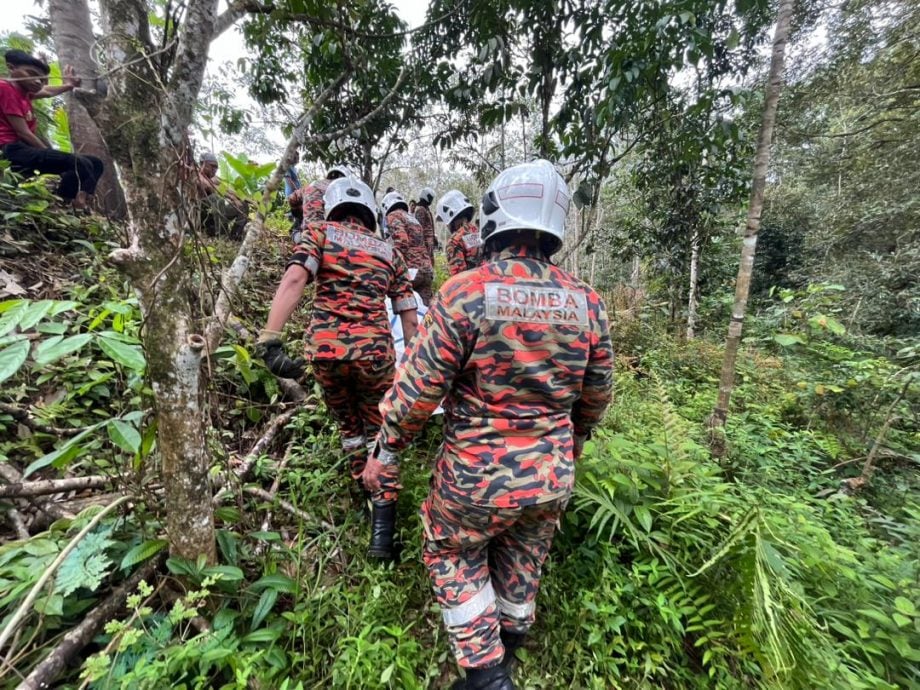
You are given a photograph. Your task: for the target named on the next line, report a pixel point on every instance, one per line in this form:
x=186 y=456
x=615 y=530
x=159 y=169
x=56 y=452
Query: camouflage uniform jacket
x=464 y=249
x=423 y=215
x=408 y=237
x=311 y=200
x=354 y=273
x=522 y=351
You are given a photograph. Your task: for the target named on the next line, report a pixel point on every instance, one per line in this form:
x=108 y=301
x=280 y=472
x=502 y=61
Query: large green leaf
x=12 y=311
x=12 y=357
x=125 y=436
x=65 y=451
x=131 y=356
x=35 y=313
x=54 y=348
x=142 y=552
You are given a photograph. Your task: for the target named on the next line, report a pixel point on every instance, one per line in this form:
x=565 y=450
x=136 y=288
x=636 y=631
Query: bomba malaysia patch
x=472 y=240
x=360 y=242
x=536 y=304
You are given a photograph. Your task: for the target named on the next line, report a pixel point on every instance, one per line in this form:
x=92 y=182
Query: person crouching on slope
x=522 y=352
x=464 y=246
x=348 y=339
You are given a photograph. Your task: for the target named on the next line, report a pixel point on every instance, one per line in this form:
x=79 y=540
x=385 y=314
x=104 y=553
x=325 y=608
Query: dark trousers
x=77 y=172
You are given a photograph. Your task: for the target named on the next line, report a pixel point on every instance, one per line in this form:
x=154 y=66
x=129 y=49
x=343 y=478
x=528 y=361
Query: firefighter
x=348 y=339
x=464 y=246
x=522 y=352
x=423 y=215
x=408 y=237
x=307 y=204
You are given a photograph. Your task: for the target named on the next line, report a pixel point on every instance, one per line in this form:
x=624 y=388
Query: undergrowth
x=669 y=570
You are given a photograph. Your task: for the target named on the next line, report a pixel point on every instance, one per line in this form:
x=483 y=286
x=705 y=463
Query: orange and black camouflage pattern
x=464 y=249
x=485 y=565
x=407 y=235
x=307 y=204
x=522 y=352
x=352 y=390
x=423 y=215
x=355 y=272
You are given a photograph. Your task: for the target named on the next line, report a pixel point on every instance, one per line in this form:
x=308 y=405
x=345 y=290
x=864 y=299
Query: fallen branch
x=23 y=416
x=43 y=674
x=11 y=476
x=273 y=491
x=18 y=524
x=26 y=604
x=267 y=437
x=52 y=486
x=289 y=507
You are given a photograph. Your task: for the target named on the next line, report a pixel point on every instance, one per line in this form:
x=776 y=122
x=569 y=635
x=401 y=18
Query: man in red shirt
x=21 y=146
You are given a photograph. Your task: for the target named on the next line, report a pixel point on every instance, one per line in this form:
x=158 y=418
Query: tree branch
x=43 y=674
x=52 y=486
x=227 y=18
x=188 y=69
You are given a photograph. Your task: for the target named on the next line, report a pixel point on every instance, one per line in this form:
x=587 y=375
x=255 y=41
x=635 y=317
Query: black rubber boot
x=512 y=641
x=383 y=531
x=492 y=678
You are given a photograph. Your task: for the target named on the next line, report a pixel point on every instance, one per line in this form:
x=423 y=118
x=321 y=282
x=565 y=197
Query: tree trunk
x=752 y=226
x=154 y=159
x=72 y=31
x=692 y=301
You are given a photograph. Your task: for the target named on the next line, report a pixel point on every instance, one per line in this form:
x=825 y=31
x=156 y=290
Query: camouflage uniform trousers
x=485 y=565
x=352 y=390
x=424 y=280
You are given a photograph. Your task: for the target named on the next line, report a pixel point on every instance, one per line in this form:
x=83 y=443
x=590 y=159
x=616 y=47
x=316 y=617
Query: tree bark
x=72 y=31
x=752 y=226
x=145 y=124
x=692 y=300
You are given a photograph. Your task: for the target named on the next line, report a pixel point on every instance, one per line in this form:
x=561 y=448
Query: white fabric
x=470 y=609
x=519 y=611
x=399 y=340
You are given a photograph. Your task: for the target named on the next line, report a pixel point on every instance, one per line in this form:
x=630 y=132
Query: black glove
x=279 y=363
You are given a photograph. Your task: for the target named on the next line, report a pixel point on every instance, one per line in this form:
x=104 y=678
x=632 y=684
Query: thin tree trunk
x=692 y=301
x=593 y=264
x=72 y=31
x=159 y=181
x=752 y=227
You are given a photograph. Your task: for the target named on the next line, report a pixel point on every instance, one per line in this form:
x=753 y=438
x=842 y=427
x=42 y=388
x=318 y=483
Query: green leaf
x=125 y=436
x=263 y=635
x=905 y=606
x=35 y=313
x=276 y=581
x=787 y=339
x=228 y=573
x=12 y=311
x=900 y=620
x=142 y=552
x=54 y=348
x=644 y=517
x=13 y=357
x=264 y=607
x=131 y=356
x=86 y=565
x=68 y=450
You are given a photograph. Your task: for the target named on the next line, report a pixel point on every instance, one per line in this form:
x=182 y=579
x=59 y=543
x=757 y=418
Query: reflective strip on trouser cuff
x=352 y=443
x=518 y=611
x=470 y=609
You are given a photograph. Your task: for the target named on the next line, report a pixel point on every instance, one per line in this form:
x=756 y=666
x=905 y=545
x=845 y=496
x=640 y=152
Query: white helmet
x=350 y=196
x=452 y=205
x=530 y=196
x=426 y=195
x=337 y=171
x=393 y=201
